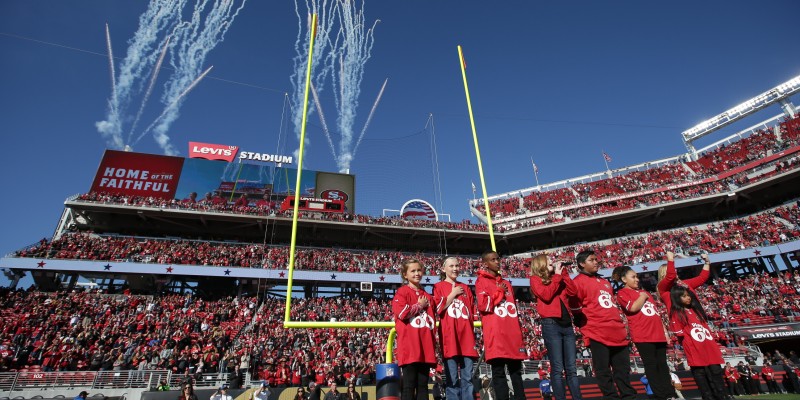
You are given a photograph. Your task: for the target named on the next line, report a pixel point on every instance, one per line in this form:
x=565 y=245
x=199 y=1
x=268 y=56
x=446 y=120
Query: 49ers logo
x=605 y=299
x=334 y=195
x=458 y=310
x=423 y=321
x=506 y=310
x=700 y=333
x=648 y=309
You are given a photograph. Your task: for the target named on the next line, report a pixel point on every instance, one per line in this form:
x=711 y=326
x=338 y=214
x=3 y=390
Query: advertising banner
x=197 y=179
x=210 y=151
x=137 y=174
x=776 y=331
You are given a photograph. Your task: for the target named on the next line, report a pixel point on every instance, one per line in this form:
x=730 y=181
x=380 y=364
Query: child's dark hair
x=678 y=310
x=619 y=272
x=582 y=256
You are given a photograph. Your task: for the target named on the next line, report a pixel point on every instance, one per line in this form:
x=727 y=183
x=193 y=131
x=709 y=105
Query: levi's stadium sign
x=770 y=332
x=212 y=151
x=276 y=158
x=227 y=153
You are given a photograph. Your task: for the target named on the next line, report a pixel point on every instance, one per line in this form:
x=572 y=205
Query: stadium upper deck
x=740 y=175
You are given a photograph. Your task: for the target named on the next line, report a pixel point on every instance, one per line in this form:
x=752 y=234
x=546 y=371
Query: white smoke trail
x=194 y=39
x=369 y=118
x=356 y=46
x=150 y=86
x=108 y=132
x=170 y=110
x=160 y=16
x=111 y=66
x=322 y=119
x=325 y=52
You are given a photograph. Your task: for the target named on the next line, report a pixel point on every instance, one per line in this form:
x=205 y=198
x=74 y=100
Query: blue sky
x=559 y=81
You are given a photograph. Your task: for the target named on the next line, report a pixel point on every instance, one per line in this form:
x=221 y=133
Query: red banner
x=212 y=151
x=137 y=174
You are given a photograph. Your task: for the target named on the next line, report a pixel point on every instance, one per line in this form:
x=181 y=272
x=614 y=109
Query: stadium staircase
x=249 y=327
x=688 y=170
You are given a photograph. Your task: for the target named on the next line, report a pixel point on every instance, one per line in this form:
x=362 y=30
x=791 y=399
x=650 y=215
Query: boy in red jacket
x=502 y=335
x=604 y=328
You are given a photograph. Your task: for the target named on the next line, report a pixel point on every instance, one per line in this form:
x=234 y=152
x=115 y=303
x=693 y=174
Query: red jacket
x=414 y=327
x=456 y=321
x=768 y=373
x=645 y=325
x=548 y=296
x=699 y=346
x=603 y=319
x=502 y=335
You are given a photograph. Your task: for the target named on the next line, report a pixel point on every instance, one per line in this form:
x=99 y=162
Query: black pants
x=654 y=358
x=773 y=386
x=499 y=383
x=747 y=384
x=415 y=381
x=734 y=388
x=709 y=382
x=755 y=386
x=612 y=368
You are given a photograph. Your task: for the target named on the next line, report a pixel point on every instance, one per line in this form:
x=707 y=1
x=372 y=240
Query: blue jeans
x=458 y=378
x=560 y=344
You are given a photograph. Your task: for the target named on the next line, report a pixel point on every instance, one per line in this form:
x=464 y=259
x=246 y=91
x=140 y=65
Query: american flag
x=535 y=168
x=606 y=157
x=474 y=188
x=419 y=210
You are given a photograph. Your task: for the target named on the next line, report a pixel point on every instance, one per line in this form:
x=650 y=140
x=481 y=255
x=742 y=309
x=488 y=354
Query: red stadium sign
x=137 y=174
x=212 y=151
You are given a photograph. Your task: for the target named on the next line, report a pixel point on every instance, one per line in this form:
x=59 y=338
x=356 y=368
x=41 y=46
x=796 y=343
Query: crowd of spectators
x=215 y=203
x=91 y=331
x=753 y=299
x=735 y=154
x=623 y=192
x=765 y=228
x=762 y=229
x=635 y=188
x=631 y=182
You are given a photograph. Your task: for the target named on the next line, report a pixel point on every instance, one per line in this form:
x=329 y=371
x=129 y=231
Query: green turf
x=771 y=397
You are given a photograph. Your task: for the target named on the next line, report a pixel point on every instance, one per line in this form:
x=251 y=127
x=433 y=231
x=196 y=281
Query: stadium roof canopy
x=778 y=94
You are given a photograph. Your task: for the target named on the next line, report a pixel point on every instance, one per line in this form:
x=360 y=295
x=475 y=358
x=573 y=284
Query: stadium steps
x=688 y=170
x=780 y=219
x=249 y=326
x=575 y=193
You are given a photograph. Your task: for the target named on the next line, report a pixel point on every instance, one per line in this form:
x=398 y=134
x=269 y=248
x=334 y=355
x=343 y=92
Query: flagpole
x=606 y=161
x=477 y=151
x=535 y=174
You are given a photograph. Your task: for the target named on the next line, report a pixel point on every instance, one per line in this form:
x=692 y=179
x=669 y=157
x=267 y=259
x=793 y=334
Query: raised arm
x=701 y=278
x=665 y=284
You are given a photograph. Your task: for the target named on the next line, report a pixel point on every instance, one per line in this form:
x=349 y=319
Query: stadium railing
x=95 y=380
